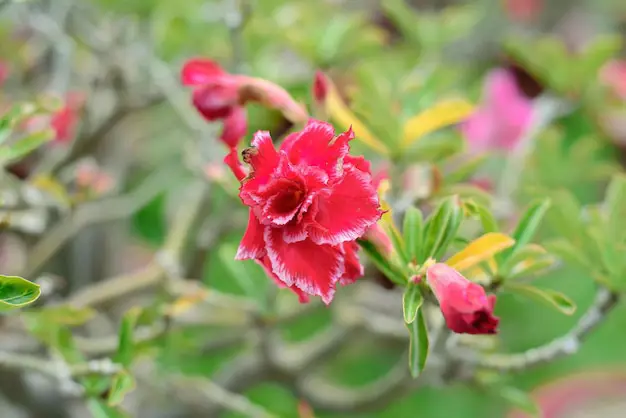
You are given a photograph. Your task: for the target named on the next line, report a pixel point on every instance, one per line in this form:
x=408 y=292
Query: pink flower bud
x=320 y=87
x=464 y=304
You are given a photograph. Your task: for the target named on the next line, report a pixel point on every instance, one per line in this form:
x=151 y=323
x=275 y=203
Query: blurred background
x=130 y=216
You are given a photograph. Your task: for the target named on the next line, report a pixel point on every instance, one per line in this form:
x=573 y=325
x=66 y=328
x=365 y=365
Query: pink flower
x=523 y=10
x=502 y=119
x=218 y=95
x=613 y=74
x=64 y=121
x=464 y=304
x=4 y=72
x=309 y=202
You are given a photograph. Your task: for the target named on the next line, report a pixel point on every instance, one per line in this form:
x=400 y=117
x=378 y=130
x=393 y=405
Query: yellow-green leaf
x=479 y=250
x=550 y=297
x=341 y=114
x=442 y=114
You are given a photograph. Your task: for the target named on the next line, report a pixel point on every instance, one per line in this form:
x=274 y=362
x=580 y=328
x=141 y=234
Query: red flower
x=219 y=95
x=309 y=202
x=464 y=304
x=64 y=121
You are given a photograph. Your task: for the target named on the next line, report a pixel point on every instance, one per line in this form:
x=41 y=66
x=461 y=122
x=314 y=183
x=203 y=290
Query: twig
x=566 y=345
x=97 y=212
x=50 y=368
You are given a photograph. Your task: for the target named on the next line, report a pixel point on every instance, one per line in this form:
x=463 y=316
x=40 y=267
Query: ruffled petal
x=314 y=269
x=199 y=71
x=267 y=266
x=353 y=267
x=252 y=244
x=317 y=146
x=350 y=209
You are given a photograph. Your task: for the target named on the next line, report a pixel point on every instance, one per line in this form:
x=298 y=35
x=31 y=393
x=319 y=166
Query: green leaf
x=418 y=344
x=615 y=206
x=487 y=219
x=100 y=409
x=534 y=267
x=67 y=347
x=382 y=262
x=441 y=227
x=412 y=300
x=412 y=231
x=552 y=298
x=126 y=344
x=24 y=146
x=527 y=226
x=16 y=292
x=123 y=383
x=397 y=241
x=519 y=399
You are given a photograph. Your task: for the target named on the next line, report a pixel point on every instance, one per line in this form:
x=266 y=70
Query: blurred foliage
x=399 y=86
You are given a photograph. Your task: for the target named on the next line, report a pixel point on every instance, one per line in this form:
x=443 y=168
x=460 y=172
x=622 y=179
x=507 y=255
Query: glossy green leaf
x=418 y=344
x=16 y=292
x=533 y=267
x=527 y=226
x=381 y=262
x=519 y=399
x=126 y=344
x=549 y=297
x=441 y=227
x=397 y=241
x=122 y=383
x=413 y=231
x=412 y=300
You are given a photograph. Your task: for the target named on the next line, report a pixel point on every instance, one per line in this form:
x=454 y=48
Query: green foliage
x=412 y=300
x=16 y=292
x=441 y=227
x=552 y=298
x=418 y=344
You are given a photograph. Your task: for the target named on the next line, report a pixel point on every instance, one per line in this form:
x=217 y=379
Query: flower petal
x=232 y=161
x=315 y=269
x=252 y=244
x=317 y=146
x=350 y=209
x=199 y=71
x=353 y=267
x=235 y=127
x=267 y=266
x=215 y=101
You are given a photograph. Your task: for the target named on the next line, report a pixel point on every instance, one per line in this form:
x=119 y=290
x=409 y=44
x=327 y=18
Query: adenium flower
x=309 y=201
x=613 y=74
x=64 y=121
x=219 y=95
x=464 y=304
x=503 y=118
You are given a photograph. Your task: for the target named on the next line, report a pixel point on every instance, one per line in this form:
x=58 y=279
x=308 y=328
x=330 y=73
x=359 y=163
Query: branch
x=226 y=399
x=49 y=368
x=327 y=396
x=566 y=345
x=98 y=212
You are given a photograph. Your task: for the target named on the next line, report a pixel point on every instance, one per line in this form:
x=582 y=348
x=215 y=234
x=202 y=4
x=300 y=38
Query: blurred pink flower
x=523 y=10
x=613 y=75
x=4 y=72
x=502 y=118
